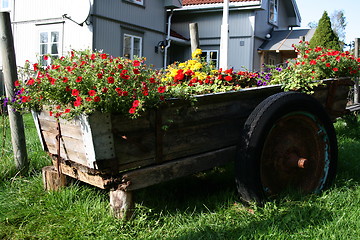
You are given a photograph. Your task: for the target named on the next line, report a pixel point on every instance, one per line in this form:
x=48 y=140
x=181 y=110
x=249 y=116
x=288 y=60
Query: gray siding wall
x=113 y=18
x=241 y=29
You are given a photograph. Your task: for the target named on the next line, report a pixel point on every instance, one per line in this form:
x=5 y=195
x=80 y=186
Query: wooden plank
x=85 y=175
x=52 y=180
x=144 y=177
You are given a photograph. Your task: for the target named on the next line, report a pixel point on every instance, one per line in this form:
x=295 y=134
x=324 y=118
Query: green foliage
x=314 y=64
x=324 y=36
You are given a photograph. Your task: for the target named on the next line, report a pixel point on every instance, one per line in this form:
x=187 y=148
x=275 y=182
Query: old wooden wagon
x=276 y=139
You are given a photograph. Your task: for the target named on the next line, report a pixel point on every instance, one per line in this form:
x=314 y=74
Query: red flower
x=30 y=82
x=92 y=92
x=65 y=80
x=136 y=103
x=152 y=80
x=105 y=89
x=335 y=69
x=132 y=110
x=88 y=99
x=103 y=56
x=120 y=66
x=136 y=71
x=36 y=68
x=228 y=78
x=136 y=63
x=110 y=79
x=52 y=80
x=17 y=83
x=75 y=92
x=46 y=57
x=328 y=65
x=313 y=62
x=79 y=79
x=97 y=99
x=67 y=110
x=67 y=88
x=77 y=103
x=161 y=89
x=93 y=56
x=100 y=76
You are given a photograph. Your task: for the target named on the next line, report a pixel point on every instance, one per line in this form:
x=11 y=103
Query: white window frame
x=208 y=58
x=49 y=45
x=132 y=46
x=273 y=11
x=139 y=2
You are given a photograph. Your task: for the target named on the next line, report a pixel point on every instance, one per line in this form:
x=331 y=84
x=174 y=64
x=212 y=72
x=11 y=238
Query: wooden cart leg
x=122 y=204
x=52 y=180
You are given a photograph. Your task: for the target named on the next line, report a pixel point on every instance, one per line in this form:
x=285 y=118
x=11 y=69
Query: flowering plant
x=84 y=82
x=196 y=76
x=315 y=64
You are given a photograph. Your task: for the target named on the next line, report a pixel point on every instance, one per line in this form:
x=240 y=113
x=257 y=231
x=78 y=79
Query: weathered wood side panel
x=175 y=131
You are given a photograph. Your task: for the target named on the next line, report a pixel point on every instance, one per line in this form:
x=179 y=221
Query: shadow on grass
x=348 y=135
x=293 y=222
x=202 y=191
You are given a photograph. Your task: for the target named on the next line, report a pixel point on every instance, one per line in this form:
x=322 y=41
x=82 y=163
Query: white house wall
x=29 y=18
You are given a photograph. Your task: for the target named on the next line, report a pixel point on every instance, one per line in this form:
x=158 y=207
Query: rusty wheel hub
x=294 y=155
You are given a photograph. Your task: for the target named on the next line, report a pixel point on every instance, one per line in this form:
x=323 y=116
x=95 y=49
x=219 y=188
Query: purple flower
x=6 y=100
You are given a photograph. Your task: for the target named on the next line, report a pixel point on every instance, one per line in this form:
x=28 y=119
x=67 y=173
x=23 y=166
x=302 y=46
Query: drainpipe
x=168 y=40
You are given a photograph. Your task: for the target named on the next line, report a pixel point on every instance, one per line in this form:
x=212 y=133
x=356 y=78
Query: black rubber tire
x=262 y=122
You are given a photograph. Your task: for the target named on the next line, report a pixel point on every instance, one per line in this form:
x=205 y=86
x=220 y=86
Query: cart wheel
x=288 y=143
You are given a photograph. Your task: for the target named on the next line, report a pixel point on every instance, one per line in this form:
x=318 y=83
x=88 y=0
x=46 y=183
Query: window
x=4 y=5
x=139 y=2
x=132 y=46
x=49 y=45
x=273 y=11
x=211 y=56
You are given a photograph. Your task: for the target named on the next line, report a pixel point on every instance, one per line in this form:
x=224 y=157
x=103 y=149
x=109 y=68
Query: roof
x=199 y=2
x=283 y=40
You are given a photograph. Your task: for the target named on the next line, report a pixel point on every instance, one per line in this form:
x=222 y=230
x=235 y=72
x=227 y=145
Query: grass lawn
x=203 y=206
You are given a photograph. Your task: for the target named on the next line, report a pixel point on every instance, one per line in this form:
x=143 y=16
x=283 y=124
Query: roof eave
x=219 y=6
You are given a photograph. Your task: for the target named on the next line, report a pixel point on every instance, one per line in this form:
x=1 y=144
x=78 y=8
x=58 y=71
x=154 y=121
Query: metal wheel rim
x=293 y=138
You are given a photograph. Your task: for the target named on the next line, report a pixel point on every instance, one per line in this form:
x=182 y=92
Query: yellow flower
x=196 y=53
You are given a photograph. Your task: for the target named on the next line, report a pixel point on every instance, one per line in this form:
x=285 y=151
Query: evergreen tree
x=324 y=36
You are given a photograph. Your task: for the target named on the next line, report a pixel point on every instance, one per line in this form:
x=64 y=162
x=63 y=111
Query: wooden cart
x=276 y=139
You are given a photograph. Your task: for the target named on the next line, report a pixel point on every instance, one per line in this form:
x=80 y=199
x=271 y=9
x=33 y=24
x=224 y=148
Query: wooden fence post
x=7 y=52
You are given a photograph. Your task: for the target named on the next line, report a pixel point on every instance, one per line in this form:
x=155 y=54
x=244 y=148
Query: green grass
x=203 y=206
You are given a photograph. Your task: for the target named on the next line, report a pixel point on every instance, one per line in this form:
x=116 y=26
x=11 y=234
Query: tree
x=312 y=24
x=324 y=36
x=338 y=23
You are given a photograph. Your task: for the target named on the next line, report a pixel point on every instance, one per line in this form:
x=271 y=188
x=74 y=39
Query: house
x=259 y=30
x=118 y=27
x=157 y=30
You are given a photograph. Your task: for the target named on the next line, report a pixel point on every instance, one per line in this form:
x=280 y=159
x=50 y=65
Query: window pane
x=43 y=49
x=54 y=49
x=5 y=4
x=127 y=46
x=137 y=47
x=54 y=36
x=43 y=37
